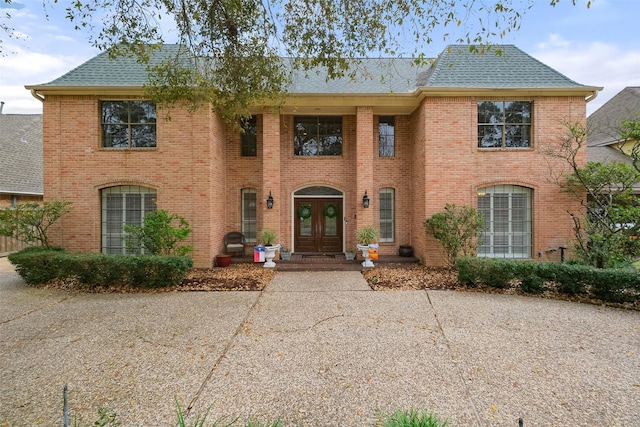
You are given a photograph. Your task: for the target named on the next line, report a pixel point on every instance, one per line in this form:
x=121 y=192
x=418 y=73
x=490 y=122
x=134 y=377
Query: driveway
x=316 y=349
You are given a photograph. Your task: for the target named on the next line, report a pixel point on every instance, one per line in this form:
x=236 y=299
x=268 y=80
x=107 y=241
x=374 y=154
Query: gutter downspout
x=591 y=97
x=37 y=96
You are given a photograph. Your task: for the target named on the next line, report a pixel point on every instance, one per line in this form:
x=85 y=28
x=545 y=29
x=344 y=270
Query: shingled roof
x=604 y=126
x=503 y=66
x=21 y=154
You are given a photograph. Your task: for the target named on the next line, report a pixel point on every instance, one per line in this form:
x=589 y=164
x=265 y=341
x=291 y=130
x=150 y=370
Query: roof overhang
x=343 y=103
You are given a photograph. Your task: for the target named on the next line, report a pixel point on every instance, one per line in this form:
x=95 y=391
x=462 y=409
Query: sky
x=596 y=46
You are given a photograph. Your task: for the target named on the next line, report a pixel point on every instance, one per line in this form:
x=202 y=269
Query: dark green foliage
x=38 y=266
x=491 y=272
x=158 y=235
x=457 y=229
x=617 y=285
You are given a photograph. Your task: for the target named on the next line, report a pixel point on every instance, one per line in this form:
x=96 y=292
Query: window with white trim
x=249 y=214
x=387 y=215
x=506 y=210
x=121 y=205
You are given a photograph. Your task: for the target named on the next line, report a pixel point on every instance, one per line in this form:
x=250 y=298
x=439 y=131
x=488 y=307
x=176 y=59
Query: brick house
x=471 y=129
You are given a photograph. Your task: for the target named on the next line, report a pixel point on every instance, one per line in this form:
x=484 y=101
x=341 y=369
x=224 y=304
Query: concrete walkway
x=316 y=349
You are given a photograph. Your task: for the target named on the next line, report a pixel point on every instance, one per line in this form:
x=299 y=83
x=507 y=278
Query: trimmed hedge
x=618 y=285
x=38 y=266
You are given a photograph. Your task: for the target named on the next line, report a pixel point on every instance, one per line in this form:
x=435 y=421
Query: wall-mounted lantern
x=365 y=200
x=270 y=201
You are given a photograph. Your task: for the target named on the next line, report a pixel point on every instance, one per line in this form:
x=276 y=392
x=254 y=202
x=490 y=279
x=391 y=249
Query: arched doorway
x=318 y=220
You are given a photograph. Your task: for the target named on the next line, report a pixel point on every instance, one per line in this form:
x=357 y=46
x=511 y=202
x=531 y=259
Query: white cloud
x=595 y=64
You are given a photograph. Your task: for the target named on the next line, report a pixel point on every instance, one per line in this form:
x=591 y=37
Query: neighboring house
x=470 y=130
x=20 y=159
x=605 y=143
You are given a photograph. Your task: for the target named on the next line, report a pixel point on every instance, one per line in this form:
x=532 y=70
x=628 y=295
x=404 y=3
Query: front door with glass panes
x=318 y=225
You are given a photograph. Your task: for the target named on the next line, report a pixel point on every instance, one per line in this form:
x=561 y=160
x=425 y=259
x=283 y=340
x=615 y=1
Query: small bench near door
x=234 y=243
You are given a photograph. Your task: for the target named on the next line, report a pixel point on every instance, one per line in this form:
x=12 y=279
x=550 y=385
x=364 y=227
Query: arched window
x=123 y=204
x=507 y=213
x=249 y=214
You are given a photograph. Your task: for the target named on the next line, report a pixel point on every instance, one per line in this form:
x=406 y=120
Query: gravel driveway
x=316 y=349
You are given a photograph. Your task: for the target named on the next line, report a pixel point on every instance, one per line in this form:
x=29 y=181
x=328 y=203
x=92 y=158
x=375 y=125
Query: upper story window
x=386 y=137
x=128 y=124
x=249 y=137
x=504 y=124
x=317 y=136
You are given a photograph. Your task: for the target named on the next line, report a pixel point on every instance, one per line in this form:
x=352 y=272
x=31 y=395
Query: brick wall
x=198 y=172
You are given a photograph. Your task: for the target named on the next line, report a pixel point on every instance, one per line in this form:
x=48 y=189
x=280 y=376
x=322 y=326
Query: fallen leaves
x=414 y=277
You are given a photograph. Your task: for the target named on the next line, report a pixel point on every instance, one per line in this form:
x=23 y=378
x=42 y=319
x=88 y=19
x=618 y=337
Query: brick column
x=364 y=167
x=270 y=173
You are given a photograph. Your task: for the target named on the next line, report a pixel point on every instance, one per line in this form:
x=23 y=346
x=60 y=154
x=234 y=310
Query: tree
x=29 y=222
x=158 y=235
x=232 y=50
x=457 y=229
x=611 y=213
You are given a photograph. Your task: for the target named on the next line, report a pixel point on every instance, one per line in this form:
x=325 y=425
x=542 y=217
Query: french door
x=318 y=224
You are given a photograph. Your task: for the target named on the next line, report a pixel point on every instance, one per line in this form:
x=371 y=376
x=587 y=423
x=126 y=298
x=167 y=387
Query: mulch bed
x=251 y=277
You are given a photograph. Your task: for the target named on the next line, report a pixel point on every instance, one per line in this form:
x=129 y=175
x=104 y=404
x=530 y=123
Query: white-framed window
x=249 y=214
x=123 y=204
x=506 y=210
x=504 y=124
x=387 y=215
x=128 y=124
x=386 y=137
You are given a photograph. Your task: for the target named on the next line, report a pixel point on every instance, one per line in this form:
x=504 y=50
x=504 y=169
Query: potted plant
x=367 y=238
x=267 y=237
x=223 y=260
x=350 y=254
x=285 y=254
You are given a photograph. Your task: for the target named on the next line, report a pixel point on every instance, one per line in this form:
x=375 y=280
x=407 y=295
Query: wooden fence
x=8 y=245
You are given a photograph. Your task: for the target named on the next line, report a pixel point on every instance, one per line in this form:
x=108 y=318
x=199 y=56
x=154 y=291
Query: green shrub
x=457 y=229
x=30 y=222
x=413 y=418
x=495 y=273
x=609 y=285
x=615 y=285
x=160 y=234
x=38 y=266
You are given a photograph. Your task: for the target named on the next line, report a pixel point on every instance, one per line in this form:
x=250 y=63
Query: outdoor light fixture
x=270 y=201
x=365 y=200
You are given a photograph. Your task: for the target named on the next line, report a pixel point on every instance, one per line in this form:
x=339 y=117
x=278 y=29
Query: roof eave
x=589 y=92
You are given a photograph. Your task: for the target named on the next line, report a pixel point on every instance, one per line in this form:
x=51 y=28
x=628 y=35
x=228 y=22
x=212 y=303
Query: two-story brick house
x=472 y=129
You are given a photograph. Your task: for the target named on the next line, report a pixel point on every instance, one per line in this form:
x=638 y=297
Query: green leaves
x=232 y=49
x=158 y=235
x=29 y=222
x=457 y=229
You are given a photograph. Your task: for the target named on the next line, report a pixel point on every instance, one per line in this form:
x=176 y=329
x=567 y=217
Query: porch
x=329 y=262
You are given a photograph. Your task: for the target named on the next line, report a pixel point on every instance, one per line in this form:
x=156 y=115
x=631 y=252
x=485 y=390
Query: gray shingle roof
x=21 y=153
x=504 y=66
x=604 y=123
x=456 y=67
